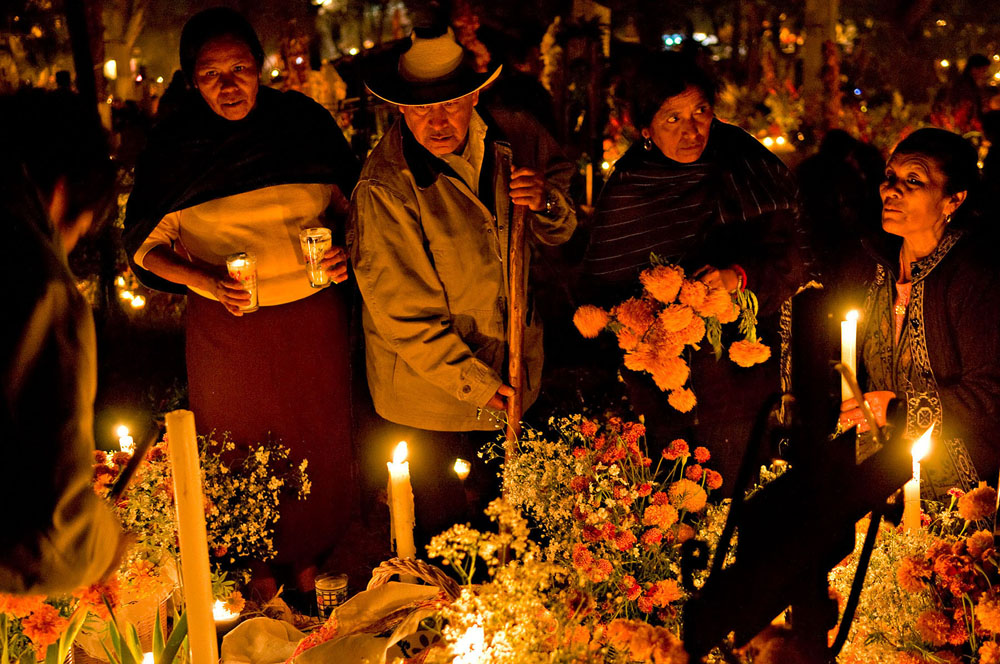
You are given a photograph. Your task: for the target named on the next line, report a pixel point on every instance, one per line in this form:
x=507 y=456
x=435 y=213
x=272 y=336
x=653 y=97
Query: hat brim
x=385 y=82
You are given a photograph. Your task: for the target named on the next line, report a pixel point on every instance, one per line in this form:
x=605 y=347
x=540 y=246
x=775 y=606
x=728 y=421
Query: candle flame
x=239 y=262
x=922 y=446
x=147 y=658
x=399 y=454
x=220 y=612
x=852 y=315
x=121 y=430
x=462 y=468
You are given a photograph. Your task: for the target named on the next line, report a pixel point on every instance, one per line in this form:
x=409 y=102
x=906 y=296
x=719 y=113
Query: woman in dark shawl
x=707 y=196
x=242 y=168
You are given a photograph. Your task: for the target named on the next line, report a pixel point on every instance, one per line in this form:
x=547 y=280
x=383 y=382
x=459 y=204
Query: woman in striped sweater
x=705 y=195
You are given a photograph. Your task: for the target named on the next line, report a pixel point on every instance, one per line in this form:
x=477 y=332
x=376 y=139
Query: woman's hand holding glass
x=228 y=292
x=335 y=264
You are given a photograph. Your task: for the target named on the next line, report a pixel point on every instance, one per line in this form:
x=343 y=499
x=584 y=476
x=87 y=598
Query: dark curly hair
x=664 y=75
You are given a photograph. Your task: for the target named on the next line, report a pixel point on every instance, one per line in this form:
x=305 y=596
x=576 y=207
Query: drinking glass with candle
x=315 y=243
x=242 y=267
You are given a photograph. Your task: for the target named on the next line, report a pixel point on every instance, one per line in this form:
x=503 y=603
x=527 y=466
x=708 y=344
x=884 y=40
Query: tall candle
x=190 y=502
x=401 y=503
x=125 y=442
x=590 y=184
x=911 y=490
x=848 y=351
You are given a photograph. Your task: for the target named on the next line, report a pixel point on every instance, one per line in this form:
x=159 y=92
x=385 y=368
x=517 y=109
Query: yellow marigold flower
x=662 y=282
x=676 y=317
x=682 y=400
x=988 y=613
x=980 y=503
x=989 y=653
x=748 y=353
x=635 y=314
x=694 y=332
x=670 y=373
x=693 y=294
x=979 y=542
x=687 y=495
x=590 y=320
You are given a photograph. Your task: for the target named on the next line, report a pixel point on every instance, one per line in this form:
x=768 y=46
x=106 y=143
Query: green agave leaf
x=157 y=637
x=173 y=644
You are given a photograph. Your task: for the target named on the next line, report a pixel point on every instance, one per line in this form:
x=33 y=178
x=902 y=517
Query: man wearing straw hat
x=430 y=243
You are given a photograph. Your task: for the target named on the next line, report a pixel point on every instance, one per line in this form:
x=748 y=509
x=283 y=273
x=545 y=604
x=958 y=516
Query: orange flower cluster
x=978 y=504
x=44 y=626
x=623 y=518
x=655 y=329
x=646 y=643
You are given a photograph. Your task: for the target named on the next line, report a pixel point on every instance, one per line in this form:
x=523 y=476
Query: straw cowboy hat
x=432 y=70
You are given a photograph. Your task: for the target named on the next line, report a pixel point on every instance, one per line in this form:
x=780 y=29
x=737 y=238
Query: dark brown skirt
x=283 y=373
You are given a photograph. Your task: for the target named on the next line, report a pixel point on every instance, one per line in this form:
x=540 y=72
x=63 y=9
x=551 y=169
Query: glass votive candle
x=331 y=592
x=242 y=267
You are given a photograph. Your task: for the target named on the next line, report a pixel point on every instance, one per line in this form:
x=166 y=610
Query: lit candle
x=225 y=619
x=125 y=441
x=849 y=351
x=911 y=490
x=190 y=501
x=401 y=503
x=147 y=658
x=590 y=184
x=462 y=468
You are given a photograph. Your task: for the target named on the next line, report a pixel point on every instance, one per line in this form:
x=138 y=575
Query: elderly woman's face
x=680 y=128
x=226 y=75
x=914 y=201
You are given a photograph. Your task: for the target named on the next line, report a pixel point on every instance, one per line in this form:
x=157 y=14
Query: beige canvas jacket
x=432 y=261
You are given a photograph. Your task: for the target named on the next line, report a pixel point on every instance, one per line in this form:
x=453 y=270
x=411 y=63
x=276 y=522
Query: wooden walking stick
x=515 y=330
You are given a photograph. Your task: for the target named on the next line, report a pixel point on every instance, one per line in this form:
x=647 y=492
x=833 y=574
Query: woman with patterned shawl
x=709 y=197
x=240 y=168
x=930 y=333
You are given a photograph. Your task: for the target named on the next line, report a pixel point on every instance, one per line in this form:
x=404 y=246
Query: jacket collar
x=885 y=250
x=425 y=166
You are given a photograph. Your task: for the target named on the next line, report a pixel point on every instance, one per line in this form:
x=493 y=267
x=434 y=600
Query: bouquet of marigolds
x=614 y=516
x=42 y=629
x=530 y=609
x=930 y=595
x=673 y=313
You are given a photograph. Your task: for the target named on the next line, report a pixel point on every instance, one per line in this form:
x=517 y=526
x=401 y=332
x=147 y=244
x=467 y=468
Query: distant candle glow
x=945 y=64
x=768 y=141
x=780 y=140
x=125 y=441
x=275 y=73
x=126 y=295
x=120 y=282
x=221 y=614
x=298 y=60
x=138 y=302
x=111 y=70
x=605 y=166
x=159 y=79
x=462 y=468
x=353 y=51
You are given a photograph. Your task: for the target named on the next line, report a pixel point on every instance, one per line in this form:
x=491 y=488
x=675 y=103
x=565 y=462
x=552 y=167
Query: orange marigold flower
x=582 y=557
x=989 y=653
x=631 y=588
x=665 y=592
x=978 y=504
x=694 y=332
x=590 y=320
x=661 y=516
x=627 y=339
x=44 y=626
x=685 y=494
x=682 y=400
x=635 y=314
x=693 y=294
x=676 y=317
x=719 y=303
x=684 y=532
x=588 y=428
x=235 y=603
x=652 y=537
x=579 y=483
x=946 y=657
x=701 y=454
x=662 y=282
x=644 y=489
x=958 y=634
x=933 y=627
x=979 y=543
x=646 y=604
x=694 y=472
x=988 y=613
x=909 y=575
x=748 y=353
x=601 y=571
x=641 y=358
x=20 y=606
x=713 y=480
x=93 y=597
x=905 y=657
x=625 y=540
x=670 y=374
x=676 y=449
